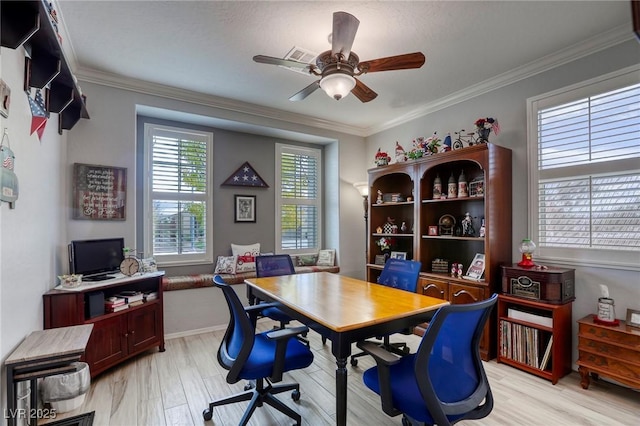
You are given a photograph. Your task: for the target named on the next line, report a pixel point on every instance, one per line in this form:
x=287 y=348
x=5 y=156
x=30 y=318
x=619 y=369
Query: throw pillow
x=307 y=260
x=246 y=256
x=326 y=257
x=226 y=265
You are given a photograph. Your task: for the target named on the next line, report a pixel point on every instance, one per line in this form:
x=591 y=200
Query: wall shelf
x=27 y=23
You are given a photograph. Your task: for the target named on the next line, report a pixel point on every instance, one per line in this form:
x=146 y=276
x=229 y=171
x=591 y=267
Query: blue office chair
x=271 y=266
x=402 y=274
x=444 y=381
x=258 y=357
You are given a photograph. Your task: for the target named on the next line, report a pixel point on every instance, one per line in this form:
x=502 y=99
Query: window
x=584 y=160
x=178 y=195
x=298 y=203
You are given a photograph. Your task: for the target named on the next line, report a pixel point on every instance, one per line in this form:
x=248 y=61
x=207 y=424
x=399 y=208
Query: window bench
x=183 y=282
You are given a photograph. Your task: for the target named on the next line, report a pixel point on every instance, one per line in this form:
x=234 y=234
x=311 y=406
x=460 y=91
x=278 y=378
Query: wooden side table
x=609 y=350
x=43 y=353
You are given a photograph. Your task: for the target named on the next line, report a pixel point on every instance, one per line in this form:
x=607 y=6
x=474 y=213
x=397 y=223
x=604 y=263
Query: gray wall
x=508 y=105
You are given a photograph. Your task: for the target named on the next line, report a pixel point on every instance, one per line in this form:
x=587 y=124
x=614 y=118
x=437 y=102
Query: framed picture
x=99 y=192
x=433 y=230
x=245 y=208
x=476 y=269
x=399 y=255
x=633 y=318
x=380 y=259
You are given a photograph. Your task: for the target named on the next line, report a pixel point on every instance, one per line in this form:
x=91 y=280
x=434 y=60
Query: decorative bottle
x=463 y=190
x=482 y=229
x=452 y=188
x=437 y=188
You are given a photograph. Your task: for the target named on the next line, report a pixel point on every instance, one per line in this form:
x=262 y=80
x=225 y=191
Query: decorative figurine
x=403 y=227
x=379 y=199
x=452 y=187
x=437 y=187
x=467 y=226
x=401 y=155
x=463 y=191
x=379 y=230
x=459 y=271
x=454 y=270
x=482 y=231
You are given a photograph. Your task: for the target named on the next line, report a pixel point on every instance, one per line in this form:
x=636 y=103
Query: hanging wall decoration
x=5 y=98
x=39 y=113
x=99 y=192
x=245 y=176
x=8 y=178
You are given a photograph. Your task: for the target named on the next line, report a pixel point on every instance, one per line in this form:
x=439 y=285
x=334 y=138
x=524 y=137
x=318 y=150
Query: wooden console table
x=43 y=353
x=609 y=350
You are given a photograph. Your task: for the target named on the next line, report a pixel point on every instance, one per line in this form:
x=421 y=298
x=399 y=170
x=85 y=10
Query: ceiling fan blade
x=345 y=26
x=305 y=92
x=399 y=62
x=362 y=92
x=278 y=61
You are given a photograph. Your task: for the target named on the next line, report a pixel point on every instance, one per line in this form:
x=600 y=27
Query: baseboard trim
x=194 y=332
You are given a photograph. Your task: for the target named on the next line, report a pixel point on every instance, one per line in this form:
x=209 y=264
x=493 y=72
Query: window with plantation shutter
x=298 y=200
x=178 y=194
x=584 y=161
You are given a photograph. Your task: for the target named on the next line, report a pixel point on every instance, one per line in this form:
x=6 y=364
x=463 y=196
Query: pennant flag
x=245 y=176
x=39 y=115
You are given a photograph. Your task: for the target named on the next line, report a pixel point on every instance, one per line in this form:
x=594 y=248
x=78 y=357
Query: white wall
x=33 y=235
x=508 y=105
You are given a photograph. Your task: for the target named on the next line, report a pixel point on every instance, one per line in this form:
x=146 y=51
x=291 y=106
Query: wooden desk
x=344 y=310
x=42 y=354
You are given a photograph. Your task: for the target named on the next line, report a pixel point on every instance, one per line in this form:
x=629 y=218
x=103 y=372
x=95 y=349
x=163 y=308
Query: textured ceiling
x=207 y=47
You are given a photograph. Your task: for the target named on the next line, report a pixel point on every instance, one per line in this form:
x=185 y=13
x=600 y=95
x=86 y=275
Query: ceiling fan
x=338 y=67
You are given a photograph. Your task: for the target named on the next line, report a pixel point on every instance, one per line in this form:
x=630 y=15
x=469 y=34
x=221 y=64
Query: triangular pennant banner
x=245 y=176
x=39 y=114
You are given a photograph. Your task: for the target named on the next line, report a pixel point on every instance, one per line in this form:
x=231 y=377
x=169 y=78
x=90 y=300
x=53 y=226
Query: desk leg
x=341 y=391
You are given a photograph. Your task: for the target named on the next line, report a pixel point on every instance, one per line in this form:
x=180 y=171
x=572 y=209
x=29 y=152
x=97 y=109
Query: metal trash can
x=66 y=392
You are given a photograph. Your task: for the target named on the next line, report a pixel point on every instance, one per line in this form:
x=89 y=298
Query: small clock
x=130 y=266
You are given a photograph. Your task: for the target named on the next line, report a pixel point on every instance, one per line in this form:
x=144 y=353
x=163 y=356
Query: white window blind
x=299 y=202
x=586 y=177
x=178 y=163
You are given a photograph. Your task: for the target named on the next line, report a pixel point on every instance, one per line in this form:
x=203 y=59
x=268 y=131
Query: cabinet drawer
x=465 y=294
x=434 y=288
x=610 y=335
x=605 y=363
x=609 y=350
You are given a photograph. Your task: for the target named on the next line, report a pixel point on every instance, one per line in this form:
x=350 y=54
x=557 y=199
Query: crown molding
x=589 y=46
x=197 y=98
x=592 y=45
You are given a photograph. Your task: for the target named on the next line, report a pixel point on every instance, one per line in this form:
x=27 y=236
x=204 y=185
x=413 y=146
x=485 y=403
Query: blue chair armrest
x=282 y=337
x=384 y=359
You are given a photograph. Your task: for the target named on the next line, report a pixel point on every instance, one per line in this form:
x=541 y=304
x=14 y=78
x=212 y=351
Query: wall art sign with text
x=99 y=192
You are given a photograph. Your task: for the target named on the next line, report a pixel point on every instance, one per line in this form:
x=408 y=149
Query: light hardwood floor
x=174 y=387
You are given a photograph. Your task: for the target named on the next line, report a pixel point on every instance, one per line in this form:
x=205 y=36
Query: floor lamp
x=363 y=189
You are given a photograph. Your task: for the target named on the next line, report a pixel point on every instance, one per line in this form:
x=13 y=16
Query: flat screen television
x=96 y=259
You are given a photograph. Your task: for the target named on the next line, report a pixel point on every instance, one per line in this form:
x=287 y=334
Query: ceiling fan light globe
x=337 y=85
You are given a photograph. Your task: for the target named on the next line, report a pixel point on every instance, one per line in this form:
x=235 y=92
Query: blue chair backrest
x=449 y=351
x=274 y=265
x=402 y=274
x=240 y=335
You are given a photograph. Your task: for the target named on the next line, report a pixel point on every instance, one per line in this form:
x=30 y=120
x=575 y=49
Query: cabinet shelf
x=391 y=235
x=539 y=349
x=391 y=204
x=451 y=238
x=27 y=23
x=451 y=200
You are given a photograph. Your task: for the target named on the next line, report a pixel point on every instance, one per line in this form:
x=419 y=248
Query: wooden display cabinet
x=490 y=166
x=529 y=331
x=116 y=336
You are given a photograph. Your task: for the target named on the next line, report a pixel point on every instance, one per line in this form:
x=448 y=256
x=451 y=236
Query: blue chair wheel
x=295 y=395
x=207 y=414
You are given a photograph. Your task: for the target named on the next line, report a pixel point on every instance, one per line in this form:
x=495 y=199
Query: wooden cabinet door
x=143 y=327
x=107 y=344
x=434 y=288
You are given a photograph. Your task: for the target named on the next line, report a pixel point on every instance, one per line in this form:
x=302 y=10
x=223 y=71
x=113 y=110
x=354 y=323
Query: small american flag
x=39 y=114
